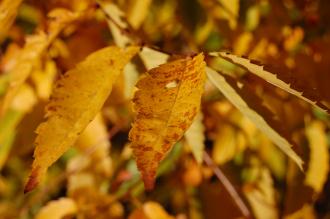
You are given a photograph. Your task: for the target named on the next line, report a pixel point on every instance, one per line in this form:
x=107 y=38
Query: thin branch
x=228 y=186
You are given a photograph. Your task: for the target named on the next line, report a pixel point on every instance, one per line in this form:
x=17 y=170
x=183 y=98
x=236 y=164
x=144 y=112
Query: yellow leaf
x=44 y=78
x=230 y=11
x=57 y=209
x=8 y=12
x=318 y=167
x=230 y=93
x=76 y=99
x=167 y=100
x=95 y=138
x=228 y=143
x=137 y=12
x=116 y=28
x=261 y=196
x=195 y=137
x=306 y=212
x=32 y=51
x=152 y=58
x=150 y=210
x=271 y=78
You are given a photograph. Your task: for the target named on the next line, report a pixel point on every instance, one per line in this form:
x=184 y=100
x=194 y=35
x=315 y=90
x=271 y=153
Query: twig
x=228 y=186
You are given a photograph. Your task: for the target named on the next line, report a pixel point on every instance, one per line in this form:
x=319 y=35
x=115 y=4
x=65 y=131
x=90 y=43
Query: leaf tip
x=149 y=181
x=33 y=181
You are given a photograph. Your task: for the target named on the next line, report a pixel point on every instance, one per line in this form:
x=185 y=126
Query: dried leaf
x=57 y=209
x=195 y=137
x=32 y=51
x=227 y=89
x=261 y=71
x=176 y=89
x=8 y=12
x=318 y=167
x=76 y=99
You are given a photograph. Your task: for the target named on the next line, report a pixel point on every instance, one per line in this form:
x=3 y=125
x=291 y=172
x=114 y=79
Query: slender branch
x=228 y=186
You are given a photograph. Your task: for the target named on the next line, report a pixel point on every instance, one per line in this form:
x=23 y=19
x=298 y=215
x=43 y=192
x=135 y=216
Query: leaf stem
x=228 y=186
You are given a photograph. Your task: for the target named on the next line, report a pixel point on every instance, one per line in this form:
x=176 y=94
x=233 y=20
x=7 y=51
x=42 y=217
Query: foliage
x=123 y=101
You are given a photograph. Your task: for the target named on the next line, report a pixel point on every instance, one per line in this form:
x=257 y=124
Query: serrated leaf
x=57 y=209
x=76 y=99
x=195 y=137
x=8 y=12
x=32 y=51
x=227 y=89
x=167 y=100
x=262 y=72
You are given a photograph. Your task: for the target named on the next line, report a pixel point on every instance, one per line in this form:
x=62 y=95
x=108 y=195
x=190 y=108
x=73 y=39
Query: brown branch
x=228 y=186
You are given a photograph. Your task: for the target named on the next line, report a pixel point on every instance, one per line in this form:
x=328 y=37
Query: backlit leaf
x=167 y=100
x=76 y=99
x=195 y=137
x=227 y=89
x=272 y=78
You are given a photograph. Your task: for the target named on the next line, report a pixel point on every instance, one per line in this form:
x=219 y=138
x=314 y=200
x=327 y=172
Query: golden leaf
x=137 y=12
x=57 y=209
x=230 y=93
x=8 y=12
x=255 y=68
x=306 y=212
x=167 y=100
x=95 y=138
x=32 y=51
x=150 y=210
x=318 y=167
x=261 y=195
x=76 y=99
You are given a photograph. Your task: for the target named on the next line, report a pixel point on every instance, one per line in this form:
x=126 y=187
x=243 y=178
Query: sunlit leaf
x=150 y=210
x=57 y=209
x=227 y=89
x=195 y=137
x=137 y=12
x=261 y=195
x=76 y=99
x=261 y=71
x=318 y=167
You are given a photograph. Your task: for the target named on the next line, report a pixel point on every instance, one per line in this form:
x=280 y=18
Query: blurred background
x=98 y=178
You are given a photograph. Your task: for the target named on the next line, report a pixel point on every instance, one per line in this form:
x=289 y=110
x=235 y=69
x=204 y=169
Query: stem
x=228 y=186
